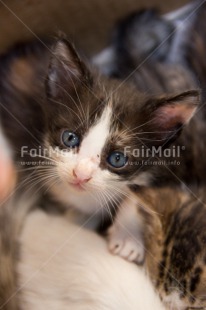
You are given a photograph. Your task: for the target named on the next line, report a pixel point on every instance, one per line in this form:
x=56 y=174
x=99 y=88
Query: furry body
x=31 y=121
x=177 y=245
x=78 y=99
x=69 y=267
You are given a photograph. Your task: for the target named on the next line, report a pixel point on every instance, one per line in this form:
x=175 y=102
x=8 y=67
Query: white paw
x=126 y=245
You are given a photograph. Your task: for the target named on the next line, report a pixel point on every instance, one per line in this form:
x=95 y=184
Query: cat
x=82 y=274
x=146 y=37
x=175 y=244
x=71 y=135
x=87 y=156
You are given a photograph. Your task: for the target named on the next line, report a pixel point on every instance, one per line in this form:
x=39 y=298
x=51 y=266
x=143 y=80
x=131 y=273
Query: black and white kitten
x=72 y=134
x=83 y=125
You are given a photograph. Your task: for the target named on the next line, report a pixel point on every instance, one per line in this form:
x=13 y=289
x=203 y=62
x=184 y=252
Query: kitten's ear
x=67 y=73
x=169 y=115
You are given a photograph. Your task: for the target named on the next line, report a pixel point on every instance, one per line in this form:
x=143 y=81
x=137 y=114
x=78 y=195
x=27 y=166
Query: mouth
x=77 y=186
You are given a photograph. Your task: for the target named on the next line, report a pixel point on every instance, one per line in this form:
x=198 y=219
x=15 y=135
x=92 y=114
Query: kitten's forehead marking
x=97 y=135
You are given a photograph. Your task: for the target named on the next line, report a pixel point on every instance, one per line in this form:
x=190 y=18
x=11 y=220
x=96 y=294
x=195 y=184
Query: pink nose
x=80 y=179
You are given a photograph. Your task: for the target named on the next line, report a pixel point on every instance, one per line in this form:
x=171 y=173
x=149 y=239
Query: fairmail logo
x=144 y=152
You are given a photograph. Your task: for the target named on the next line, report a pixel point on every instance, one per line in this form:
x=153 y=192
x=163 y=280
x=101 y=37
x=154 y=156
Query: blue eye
x=117 y=159
x=70 y=139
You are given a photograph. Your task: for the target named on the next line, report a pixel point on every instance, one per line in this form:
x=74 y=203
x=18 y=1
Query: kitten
x=82 y=274
x=146 y=38
x=83 y=123
x=175 y=244
x=71 y=137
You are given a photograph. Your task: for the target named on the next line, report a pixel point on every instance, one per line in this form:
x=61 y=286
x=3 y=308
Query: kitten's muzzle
x=83 y=172
x=79 y=180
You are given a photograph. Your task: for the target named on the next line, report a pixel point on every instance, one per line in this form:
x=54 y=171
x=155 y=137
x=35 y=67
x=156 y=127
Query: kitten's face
x=89 y=146
x=91 y=156
x=94 y=125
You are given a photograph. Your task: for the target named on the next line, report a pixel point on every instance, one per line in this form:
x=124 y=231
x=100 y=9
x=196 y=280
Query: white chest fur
x=65 y=267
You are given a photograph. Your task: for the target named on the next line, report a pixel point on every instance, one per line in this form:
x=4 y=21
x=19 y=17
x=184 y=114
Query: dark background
x=87 y=22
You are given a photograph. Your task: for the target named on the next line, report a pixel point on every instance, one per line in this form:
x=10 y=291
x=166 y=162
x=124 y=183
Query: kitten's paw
x=126 y=245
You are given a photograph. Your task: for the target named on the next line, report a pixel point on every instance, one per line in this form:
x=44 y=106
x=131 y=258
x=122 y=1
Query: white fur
x=95 y=139
x=64 y=267
x=92 y=145
x=173 y=302
x=126 y=233
x=143 y=179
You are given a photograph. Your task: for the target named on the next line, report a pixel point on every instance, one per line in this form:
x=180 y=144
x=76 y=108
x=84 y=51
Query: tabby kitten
x=175 y=244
